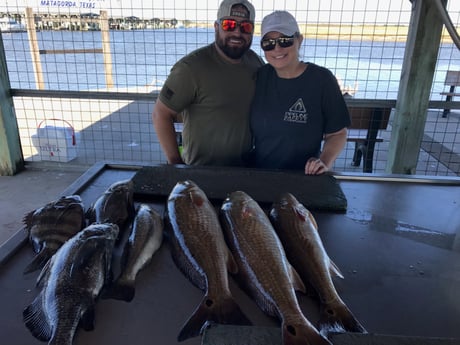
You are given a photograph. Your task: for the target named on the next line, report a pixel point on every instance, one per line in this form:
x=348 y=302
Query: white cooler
x=55 y=143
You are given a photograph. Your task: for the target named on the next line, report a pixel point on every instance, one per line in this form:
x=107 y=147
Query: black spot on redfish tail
x=222 y=311
x=302 y=334
x=39 y=260
x=338 y=319
x=36 y=321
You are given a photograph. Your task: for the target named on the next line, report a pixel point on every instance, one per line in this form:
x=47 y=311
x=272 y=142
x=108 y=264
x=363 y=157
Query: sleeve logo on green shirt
x=297 y=113
x=168 y=93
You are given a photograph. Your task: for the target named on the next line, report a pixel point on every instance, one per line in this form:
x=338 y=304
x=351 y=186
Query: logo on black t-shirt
x=297 y=113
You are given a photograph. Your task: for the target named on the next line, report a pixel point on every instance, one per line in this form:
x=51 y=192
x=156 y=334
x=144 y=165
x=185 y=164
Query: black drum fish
x=50 y=226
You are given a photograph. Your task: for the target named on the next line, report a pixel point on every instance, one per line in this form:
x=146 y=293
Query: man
x=212 y=89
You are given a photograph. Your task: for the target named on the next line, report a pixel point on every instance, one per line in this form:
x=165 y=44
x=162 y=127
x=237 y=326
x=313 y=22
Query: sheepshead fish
x=199 y=250
x=144 y=240
x=71 y=281
x=115 y=205
x=265 y=272
x=298 y=232
x=50 y=226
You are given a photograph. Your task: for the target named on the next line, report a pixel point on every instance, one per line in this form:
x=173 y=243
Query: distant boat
x=11 y=25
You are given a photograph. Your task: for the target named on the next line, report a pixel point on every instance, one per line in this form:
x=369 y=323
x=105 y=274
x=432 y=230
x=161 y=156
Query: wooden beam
x=107 y=53
x=414 y=89
x=34 y=50
x=11 y=158
x=70 y=51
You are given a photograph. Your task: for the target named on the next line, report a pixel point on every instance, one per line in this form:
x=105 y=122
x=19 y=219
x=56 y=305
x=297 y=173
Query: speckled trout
x=298 y=232
x=264 y=271
x=199 y=250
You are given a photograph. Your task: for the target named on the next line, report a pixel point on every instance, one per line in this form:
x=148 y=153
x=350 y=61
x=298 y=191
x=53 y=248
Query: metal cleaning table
x=397 y=243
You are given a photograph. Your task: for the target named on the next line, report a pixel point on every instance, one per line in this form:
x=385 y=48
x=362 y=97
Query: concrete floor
x=30 y=189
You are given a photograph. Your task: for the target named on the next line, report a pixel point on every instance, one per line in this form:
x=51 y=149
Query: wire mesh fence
x=362 y=42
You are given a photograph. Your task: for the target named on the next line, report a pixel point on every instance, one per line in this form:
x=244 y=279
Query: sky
x=356 y=11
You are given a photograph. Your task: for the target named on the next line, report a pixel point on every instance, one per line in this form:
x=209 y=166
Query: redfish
x=264 y=271
x=298 y=231
x=199 y=250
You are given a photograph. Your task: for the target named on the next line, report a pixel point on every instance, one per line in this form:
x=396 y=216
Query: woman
x=296 y=106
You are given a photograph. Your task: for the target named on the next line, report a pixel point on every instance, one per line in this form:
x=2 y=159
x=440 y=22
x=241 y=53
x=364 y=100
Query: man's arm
x=163 y=121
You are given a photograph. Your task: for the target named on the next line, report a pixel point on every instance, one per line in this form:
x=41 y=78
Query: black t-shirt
x=289 y=117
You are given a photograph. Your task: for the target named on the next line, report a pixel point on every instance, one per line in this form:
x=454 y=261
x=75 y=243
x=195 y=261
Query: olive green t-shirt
x=214 y=97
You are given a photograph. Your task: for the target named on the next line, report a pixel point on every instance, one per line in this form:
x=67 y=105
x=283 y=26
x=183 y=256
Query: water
x=144 y=57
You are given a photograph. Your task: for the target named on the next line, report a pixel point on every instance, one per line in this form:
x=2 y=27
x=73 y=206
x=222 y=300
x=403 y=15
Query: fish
x=264 y=271
x=198 y=249
x=48 y=227
x=70 y=283
x=115 y=205
x=144 y=240
x=298 y=231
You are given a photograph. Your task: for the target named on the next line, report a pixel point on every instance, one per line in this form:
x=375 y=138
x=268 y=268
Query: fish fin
x=35 y=320
x=87 y=318
x=312 y=220
x=123 y=291
x=298 y=333
x=225 y=311
x=232 y=266
x=334 y=270
x=297 y=282
x=28 y=219
x=39 y=260
x=337 y=318
x=44 y=273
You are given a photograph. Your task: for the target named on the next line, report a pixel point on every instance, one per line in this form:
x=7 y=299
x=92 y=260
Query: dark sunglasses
x=270 y=43
x=246 y=27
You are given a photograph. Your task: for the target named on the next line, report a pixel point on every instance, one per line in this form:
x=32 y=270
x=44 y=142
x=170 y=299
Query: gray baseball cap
x=280 y=21
x=225 y=10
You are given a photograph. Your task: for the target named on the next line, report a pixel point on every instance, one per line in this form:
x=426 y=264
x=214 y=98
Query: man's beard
x=232 y=52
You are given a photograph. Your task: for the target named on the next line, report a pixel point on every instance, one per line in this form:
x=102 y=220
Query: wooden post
x=422 y=47
x=11 y=158
x=34 y=49
x=106 y=52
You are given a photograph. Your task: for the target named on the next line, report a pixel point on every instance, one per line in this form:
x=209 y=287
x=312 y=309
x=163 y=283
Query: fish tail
x=302 y=334
x=39 y=260
x=338 y=319
x=36 y=321
x=225 y=311
x=121 y=290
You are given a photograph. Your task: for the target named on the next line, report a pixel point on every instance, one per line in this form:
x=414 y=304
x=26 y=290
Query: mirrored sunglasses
x=270 y=43
x=246 y=27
